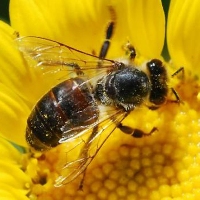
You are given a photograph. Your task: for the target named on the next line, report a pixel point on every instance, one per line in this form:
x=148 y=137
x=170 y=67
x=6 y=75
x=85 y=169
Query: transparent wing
x=51 y=56
x=87 y=146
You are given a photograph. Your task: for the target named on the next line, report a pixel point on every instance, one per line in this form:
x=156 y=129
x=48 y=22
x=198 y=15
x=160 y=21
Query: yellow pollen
x=163 y=166
x=110 y=184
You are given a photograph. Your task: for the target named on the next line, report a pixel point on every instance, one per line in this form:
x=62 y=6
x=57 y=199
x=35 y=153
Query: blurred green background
x=4 y=15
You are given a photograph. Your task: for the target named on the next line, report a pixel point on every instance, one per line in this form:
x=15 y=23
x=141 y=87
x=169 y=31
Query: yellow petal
x=141 y=23
x=12 y=175
x=19 y=85
x=13 y=110
x=147 y=26
x=75 y=23
x=8 y=152
x=32 y=17
x=14 y=183
x=10 y=193
x=183 y=33
x=14 y=114
x=15 y=73
x=82 y=24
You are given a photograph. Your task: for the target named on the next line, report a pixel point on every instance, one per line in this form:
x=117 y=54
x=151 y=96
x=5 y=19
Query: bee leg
x=82 y=181
x=85 y=154
x=181 y=69
x=73 y=65
x=130 y=51
x=106 y=44
x=177 y=100
x=137 y=133
x=109 y=33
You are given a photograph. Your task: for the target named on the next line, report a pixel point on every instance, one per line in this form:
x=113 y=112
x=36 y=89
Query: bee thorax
x=126 y=88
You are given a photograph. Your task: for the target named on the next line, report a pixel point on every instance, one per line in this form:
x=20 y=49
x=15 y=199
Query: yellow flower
x=164 y=165
x=14 y=182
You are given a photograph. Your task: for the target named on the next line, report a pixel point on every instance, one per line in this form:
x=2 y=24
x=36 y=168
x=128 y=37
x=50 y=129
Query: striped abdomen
x=66 y=110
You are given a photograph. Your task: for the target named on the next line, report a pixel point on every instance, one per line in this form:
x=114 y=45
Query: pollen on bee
x=45 y=116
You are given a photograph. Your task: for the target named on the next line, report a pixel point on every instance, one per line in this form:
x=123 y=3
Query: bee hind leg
x=137 y=133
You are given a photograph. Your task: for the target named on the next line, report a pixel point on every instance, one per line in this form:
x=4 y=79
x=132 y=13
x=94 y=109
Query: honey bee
x=102 y=93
